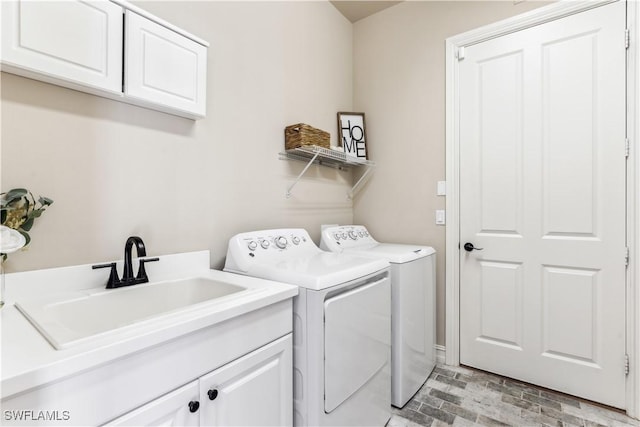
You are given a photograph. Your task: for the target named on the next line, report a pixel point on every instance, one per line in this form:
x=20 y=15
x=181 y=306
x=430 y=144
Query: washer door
x=357 y=337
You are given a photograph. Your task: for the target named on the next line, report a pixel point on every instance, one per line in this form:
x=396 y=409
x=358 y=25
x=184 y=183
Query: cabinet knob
x=213 y=393
x=193 y=406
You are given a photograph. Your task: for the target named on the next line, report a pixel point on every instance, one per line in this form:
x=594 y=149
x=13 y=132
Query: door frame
x=539 y=16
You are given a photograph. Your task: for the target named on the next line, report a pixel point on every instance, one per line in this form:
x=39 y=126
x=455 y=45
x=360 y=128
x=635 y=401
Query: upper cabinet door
x=163 y=67
x=79 y=42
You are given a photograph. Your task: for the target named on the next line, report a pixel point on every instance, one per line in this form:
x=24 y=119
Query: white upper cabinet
x=164 y=67
x=76 y=41
x=109 y=48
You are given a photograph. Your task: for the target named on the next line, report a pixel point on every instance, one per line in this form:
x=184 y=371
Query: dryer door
x=357 y=337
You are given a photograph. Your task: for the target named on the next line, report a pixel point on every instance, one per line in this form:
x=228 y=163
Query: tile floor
x=462 y=396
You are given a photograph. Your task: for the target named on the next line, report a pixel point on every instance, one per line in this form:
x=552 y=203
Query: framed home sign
x=352 y=134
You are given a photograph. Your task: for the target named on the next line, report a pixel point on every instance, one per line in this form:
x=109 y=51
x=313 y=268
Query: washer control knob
x=336 y=236
x=353 y=235
x=265 y=244
x=295 y=240
x=344 y=236
x=252 y=245
x=281 y=242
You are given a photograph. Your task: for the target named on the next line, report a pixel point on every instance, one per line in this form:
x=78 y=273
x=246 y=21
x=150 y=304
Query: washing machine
x=413 y=299
x=341 y=325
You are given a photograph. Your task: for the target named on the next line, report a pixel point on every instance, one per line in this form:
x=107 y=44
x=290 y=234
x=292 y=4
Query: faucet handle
x=113 y=280
x=142 y=273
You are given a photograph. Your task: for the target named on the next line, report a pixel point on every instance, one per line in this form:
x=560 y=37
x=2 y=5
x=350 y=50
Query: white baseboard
x=440 y=352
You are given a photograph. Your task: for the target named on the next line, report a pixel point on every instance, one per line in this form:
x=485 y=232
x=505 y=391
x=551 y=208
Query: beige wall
x=399 y=82
x=116 y=170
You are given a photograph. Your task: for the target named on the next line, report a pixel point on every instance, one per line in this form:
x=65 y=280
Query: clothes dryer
x=413 y=298
x=341 y=325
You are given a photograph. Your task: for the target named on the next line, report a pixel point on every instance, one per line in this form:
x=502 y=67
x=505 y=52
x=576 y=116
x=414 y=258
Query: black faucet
x=127 y=275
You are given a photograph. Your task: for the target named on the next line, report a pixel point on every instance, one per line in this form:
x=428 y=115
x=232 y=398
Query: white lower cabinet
x=253 y=390
x=172 y=409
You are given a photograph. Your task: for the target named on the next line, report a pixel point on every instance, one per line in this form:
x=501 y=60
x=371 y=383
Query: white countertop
x=29 y=360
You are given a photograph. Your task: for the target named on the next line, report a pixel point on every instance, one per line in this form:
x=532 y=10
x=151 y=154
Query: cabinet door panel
x=255 y=390
x=164 y=67
x=76 y=41
x=172 y=409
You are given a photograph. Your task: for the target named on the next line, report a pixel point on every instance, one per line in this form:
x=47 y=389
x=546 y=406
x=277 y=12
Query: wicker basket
x=298 y=135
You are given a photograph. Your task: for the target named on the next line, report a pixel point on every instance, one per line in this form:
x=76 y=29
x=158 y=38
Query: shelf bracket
x=313 y=159
x=359 y=183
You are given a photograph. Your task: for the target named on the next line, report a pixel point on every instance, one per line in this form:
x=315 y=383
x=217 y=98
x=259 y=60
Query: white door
x=77 y=41
x=255 y=390
x=542 y=192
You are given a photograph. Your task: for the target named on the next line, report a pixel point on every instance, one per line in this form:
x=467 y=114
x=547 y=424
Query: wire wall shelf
x=312 y=154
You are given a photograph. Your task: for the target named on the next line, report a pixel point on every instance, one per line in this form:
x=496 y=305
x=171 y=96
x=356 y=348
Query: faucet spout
x=128 y=278
x=127 y=274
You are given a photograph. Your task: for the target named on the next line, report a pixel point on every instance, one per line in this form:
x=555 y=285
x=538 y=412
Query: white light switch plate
x=442 y=188
x=440 y=217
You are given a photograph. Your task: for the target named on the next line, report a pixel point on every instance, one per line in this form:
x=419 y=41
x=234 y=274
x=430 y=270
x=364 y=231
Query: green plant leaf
x=13 y=196
x=35 y=213
x=26 y=236
x=45 y=201
x=26 y=226
x=16 y=193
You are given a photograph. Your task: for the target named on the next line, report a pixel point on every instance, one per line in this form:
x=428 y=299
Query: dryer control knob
x=295 y=240
x=281 y=242
x=344 y=236
x=353 y=235
x=252 y=245
x=336 y=236
x=265 y=244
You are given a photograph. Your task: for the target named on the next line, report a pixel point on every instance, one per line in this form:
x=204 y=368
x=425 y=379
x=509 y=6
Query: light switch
x=440 y=217
x=442 y=188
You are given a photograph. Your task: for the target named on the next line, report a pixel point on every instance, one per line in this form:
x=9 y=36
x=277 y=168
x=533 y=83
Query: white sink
x=65 y=322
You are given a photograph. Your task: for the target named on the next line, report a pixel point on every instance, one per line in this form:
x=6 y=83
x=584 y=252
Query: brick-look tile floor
x=462 y=396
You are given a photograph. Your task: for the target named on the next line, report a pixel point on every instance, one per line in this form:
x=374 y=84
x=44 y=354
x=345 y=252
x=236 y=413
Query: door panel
x=569 y=91
x=572 y=336
x=501 y=303
x=542 y=191
x=500 y=99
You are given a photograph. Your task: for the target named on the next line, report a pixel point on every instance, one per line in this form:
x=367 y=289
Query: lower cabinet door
x=181 y=407
x=254 y=390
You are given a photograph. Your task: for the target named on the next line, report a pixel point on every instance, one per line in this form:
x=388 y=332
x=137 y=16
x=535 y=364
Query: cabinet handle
x=193 y=406
x=213 y=393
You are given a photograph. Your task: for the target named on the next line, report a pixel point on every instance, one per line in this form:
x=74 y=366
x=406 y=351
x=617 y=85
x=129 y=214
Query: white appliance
x=341 y=325
x=413 y=299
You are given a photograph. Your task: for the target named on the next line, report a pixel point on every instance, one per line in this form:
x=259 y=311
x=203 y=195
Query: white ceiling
x=358 y=9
